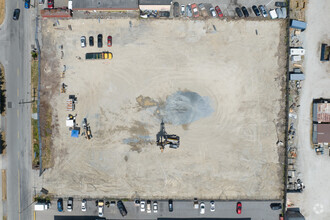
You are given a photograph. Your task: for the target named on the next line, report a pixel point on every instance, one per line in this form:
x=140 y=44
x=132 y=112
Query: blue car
x=60 y=205
x=27 y=4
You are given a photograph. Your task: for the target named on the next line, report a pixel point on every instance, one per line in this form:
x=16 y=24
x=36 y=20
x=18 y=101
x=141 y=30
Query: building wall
x=155 y=7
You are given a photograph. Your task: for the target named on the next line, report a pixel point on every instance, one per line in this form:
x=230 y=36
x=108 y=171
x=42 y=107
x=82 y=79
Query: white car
x=143 y=206
x=213 y=12
x=83 y=205
x=83 y=41
x=212 y=206
x=155 y=208
x=182 y=9
x=202 y=208
x=100 y=208
x=70 y=204
x=148 y=206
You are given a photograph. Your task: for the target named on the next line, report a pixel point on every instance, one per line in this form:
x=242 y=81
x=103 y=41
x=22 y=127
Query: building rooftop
x=105 y=5
x=155 y=2
x=323 y=133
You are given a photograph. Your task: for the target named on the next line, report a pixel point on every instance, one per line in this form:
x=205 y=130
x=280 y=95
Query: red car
x=195 y=10
x=109 y=41
x=239 y=208
x=50 y=3
x=219 y=12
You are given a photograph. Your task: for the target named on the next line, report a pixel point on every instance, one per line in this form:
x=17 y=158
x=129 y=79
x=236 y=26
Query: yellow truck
x=96 y=56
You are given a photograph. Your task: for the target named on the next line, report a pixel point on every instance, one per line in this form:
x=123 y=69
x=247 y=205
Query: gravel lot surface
x=236 y=69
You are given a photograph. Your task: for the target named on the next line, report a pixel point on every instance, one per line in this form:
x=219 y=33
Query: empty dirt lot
x=218 y=85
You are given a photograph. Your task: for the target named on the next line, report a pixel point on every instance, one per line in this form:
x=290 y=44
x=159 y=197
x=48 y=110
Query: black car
x=256 y=10
x=239 y=12
x=275 y=206
x=99 y=41
x=121 y=208
x=164 y=14
x=280 y=4
x=91 y=41
x=16 y=14
x=245 y=12
x=170 y=205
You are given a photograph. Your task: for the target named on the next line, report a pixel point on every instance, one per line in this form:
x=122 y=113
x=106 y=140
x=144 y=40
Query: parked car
x=263 y=11
x=16 y=14
x=272 y=14
x=155 y=207
x=143 y=205
x=100 y=206
x=165 y=14
x=280 y=4
x=276 y=206
x=99 y=41
x=83 y=41
x=212 y=11
x=170 y=205
x=219 y=12
x=195 y=10
x=121 y=208
x=137 y=202
x=245 y=12
x=203 y=10
x=202 y=208
x=148 y=206
x=239 y=12
x=70 y=204
x=239 y=208
x=195 y=203
x=109 y=41
x=188 y=10
x=83 y=205
x=50 y=4
x=182 y=10
x=27 y=4
x=256 y=10
x=176 y=9
x=91 y=41
x=60 y=205
x=212 y=206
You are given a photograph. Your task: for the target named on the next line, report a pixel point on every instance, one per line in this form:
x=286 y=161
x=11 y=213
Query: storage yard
x=219 y=85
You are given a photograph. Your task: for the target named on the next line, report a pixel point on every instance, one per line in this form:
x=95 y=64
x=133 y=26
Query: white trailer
x=273 y=14
x=40 y=206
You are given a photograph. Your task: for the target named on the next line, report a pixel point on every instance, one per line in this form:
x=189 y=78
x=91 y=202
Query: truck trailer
x=96 y=56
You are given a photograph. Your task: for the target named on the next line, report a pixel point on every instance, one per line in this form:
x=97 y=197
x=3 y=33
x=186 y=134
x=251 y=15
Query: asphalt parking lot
x=254 y=210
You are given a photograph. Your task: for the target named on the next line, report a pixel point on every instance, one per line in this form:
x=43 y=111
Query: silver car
x=83 y=41
x=188 y=11
x=263 y=11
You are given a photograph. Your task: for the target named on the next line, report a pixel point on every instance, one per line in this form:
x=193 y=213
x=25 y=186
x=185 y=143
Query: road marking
x=17 y=71
x=17 y=92
x=17 y=134
x=19 y=195
x=17 y=113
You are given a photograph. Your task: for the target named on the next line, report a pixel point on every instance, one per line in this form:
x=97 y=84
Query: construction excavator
x=167 y=140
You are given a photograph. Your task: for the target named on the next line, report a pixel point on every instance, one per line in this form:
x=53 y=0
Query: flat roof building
x=155 y=5
x=321 y=111
x=105 y=5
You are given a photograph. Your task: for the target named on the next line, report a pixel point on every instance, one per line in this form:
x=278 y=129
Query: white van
x=40 y=206
x=297 y=51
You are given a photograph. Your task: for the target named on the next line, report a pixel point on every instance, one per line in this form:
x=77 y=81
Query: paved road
x=182 y=209
x=314 y=201
x=15 y=47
